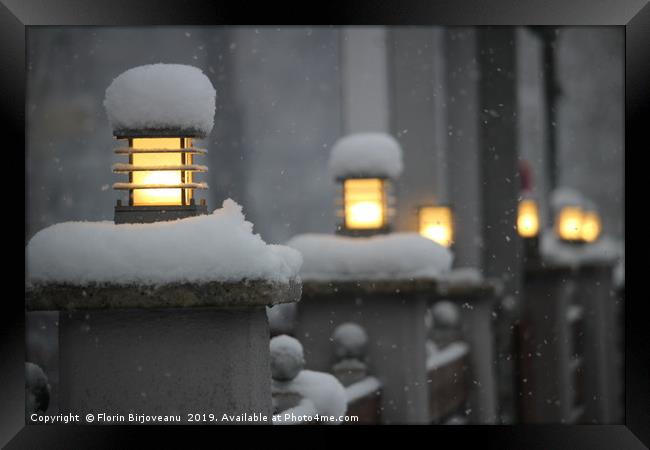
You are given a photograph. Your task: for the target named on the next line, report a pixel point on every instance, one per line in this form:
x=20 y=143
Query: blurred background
x=284 y=95
x=473 y=109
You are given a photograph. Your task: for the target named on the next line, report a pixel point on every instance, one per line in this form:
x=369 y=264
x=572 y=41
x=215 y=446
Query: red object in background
x=526 y=176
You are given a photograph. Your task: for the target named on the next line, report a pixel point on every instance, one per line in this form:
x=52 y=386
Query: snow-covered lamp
x=365 y=164
x=527 y=218
x=437 y=224
x=157 y=110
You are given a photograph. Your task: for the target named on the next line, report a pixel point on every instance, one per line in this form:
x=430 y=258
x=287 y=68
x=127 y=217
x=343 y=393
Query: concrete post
x=476 y=304
x=170 y=350
x=392 y=313
x=547 y=389
x=602 y=379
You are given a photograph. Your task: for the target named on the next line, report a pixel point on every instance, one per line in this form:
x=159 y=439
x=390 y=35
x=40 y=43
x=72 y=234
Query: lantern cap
x=161 y=100
x=564 y=196
x=372 y=155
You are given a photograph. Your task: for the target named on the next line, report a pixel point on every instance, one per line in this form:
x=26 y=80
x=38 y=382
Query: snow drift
x=217 y=247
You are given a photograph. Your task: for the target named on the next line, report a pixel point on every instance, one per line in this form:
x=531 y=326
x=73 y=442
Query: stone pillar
x=170 y=350
x=547 y=385
x=392 y=313
x=602 y=378
x=476 y=304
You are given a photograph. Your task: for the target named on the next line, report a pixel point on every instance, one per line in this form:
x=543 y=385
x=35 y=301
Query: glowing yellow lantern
x=364 y=165
x=160 y=171
x=157 y=110
x=528 y=218
x=591 y=226
x=568 y=223
x=437 y=224
x=365 y=204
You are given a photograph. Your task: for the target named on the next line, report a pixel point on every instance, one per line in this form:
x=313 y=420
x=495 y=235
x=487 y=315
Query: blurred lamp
x=160 y=171
x=365 y=204
x=591 y=226
x=528 y=218
x=437 y=223
x=568 y=223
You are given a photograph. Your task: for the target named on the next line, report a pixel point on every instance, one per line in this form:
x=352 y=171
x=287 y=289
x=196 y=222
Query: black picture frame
x=17 y=15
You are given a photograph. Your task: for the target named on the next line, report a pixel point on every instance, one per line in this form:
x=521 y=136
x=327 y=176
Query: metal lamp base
x=150 y=214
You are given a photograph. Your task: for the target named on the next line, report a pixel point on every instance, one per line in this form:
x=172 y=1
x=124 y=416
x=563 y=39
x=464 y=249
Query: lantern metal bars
x=161 y=181
x=437 y=223
x=365 y=206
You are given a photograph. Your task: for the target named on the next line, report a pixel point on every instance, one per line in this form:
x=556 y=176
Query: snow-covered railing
x=302 y=396
x=363 y=391
x=446 y=369
x=364 y=401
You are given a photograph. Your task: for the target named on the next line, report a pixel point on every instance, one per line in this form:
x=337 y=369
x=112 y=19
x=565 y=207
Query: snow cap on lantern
x=366 y=155
x=161 y=100
x=562 y=197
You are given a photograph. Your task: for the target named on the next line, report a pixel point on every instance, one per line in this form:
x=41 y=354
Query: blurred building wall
x=418 y=119
x=591 y=118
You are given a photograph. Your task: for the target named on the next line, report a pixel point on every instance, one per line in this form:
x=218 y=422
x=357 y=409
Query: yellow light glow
x=591 y=226
x=157 y=197
x=528 y=218
x=437 y=224
x=568 y=223
x=364 y=203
